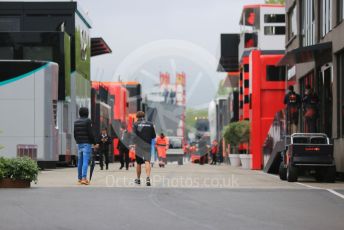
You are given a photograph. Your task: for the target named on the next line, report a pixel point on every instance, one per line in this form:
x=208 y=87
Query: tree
x=236 y=133
x=192 y=114
x=275 y=2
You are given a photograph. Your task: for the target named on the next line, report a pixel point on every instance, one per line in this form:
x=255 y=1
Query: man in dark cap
x=84 y=137
x=143 y=134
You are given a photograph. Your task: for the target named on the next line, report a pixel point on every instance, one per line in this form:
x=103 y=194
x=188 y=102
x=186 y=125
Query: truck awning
x=99 y=47
x=229 y=53
x=307 y=54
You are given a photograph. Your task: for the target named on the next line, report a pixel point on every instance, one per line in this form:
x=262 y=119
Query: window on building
x=274 y=30
x=6 y=53
x=251 y=40
x=274 y=18
x=340 y=96
x=292 y=23
x=44 y=53
x=246 y=99
x=340 y=6
x=275 y=73
x=246 y=83
x=246 y=68
x=326 y=16
x=9 y=23
x=308 y=23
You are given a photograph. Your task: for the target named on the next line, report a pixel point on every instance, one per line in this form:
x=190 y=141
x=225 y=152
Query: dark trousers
x=104 y=155
x=124 y=157
x=213 y=158
x=311 y=124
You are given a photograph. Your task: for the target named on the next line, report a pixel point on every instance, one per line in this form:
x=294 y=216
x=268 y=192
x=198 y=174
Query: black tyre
x=180 y=161
x=329 y=174
x=282 y=171
x=292 y=173
x=319 y=175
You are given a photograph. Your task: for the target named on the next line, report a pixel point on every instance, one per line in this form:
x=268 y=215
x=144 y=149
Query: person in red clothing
x=162 y=145
x=214 y=150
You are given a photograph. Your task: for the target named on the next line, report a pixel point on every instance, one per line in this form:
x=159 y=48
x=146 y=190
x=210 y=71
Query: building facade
x=315 y=57
x=57 y=32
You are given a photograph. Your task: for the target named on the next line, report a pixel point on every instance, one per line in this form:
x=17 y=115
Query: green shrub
x=2 y=162
x=236 y=133
x=22 y=168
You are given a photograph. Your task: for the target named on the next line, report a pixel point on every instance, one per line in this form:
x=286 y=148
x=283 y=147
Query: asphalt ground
x=169 y=208
x=176 y=176
x=244 y=200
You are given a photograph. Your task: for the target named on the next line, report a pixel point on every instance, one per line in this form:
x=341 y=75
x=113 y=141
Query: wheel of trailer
x=292 y=173
x=282 y=171
x=329 y=174
x=319 y=175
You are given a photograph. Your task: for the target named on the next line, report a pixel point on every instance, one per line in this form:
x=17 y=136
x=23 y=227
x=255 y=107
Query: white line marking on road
x=336 y=193
x=314 y=187
x=308 y=186
x=318 y=188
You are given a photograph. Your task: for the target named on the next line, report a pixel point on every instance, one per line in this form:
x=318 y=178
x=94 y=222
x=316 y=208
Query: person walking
x=292 y=101
x=104 y=142
x=123 y=147
x=213 y=151
x=310 y=105
x=162 y=145
x=203 y=150
x=143 y=133
x=84 y=137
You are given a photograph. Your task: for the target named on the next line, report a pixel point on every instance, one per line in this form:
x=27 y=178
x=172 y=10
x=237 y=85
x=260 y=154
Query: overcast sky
x=148 y=36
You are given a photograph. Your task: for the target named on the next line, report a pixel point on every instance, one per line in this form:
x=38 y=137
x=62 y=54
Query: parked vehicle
x=28 y=102
x=175 y=151
x=308 y=153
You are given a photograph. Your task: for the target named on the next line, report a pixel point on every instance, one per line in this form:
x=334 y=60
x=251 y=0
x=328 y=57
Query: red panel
x=267 y=100
x=120 y=94
x=115 y=145
x=262 y=5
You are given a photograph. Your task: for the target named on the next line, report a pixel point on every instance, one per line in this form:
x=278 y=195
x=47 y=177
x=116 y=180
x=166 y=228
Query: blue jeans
x=84 y=153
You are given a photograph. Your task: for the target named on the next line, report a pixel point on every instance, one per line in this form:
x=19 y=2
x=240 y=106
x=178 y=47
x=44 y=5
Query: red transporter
x=100 y=110
x=267 y=90
x=261 y=85
x=127 y=101
x=119 y=108
x=123 y=102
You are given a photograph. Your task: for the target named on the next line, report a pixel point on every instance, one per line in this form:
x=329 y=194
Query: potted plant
x=231 y=138
x=17 y=172
x=243 y=129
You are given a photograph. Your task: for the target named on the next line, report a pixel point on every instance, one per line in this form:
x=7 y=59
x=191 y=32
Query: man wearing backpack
x=142 y=136
x=293 y=104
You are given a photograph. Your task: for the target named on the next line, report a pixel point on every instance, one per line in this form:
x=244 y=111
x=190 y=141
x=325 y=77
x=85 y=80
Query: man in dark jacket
x=104 y=142
x=292 y=101
x=84 y=137
x=143 y=134
x=123 y=146
x=311 y=109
